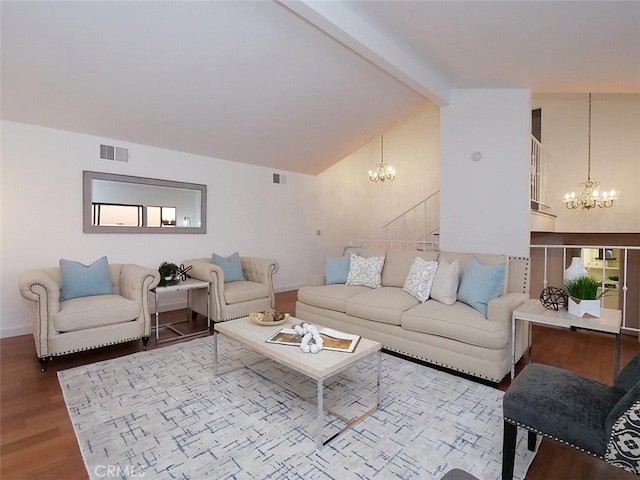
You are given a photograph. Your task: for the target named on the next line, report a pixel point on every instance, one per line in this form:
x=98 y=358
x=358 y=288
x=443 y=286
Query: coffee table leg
x=215 y=353
x=379 y=375
x=320 y=413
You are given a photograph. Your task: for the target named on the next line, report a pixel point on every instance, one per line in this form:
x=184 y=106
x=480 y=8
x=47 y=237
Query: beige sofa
x=455 y=336
x=231 y=300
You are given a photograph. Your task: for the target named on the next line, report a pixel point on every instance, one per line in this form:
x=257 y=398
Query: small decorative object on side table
x=168 y=274
x=553 y=298
x=584 y=300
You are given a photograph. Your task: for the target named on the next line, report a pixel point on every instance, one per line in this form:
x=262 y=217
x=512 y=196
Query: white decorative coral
x=309 y=334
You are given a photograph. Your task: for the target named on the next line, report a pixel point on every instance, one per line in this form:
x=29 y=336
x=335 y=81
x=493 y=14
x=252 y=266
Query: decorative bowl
x=257 y=318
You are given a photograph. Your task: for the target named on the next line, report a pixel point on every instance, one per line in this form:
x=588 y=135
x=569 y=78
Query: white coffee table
x=319 y=366
x=532 y=311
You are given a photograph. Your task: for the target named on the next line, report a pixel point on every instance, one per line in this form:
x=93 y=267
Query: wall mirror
x=124 y=204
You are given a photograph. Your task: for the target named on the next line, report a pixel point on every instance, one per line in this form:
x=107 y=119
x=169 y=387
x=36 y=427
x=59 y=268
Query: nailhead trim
x=473 y=374
x=535 y=430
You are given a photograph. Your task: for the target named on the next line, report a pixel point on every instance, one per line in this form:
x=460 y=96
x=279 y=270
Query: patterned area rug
x=162 y=414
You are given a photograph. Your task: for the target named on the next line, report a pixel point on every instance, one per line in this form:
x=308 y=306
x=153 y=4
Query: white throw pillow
x=420 y=279
x=445 y=283
x=366 y=272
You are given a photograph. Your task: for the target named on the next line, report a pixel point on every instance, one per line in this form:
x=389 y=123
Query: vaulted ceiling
x=293 y=85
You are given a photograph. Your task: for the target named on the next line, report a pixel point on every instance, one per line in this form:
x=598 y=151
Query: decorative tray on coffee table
x=261 y=318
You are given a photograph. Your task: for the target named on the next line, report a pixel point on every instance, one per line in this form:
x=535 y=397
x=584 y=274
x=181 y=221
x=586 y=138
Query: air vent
x=278 y=178
x=118 y=154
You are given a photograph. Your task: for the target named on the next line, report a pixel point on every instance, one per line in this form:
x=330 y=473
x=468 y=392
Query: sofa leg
x=508 y=450
x=43 y=363
x=531 y=441
x=194 y=315
x=145 y=340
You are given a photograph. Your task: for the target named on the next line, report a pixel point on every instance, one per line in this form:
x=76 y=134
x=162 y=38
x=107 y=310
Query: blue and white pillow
x=420 y=279
x=366 y=272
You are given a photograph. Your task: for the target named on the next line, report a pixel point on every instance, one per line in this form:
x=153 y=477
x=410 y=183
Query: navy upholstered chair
x=595 y=418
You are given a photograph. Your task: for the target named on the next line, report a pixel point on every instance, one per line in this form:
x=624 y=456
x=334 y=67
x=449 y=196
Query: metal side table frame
x=187 y=285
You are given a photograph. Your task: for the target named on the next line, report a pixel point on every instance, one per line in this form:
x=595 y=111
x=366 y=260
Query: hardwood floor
x=37 y=440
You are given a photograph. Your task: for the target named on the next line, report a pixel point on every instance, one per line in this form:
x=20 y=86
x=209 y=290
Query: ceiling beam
x=343 y=25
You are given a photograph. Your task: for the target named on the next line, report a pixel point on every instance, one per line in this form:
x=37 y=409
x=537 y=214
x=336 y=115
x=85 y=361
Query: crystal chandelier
x=589 y=196
x=382 y=173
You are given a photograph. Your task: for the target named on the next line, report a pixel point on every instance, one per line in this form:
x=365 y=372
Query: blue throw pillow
x=231 y=267
x=80 y=280
x=480 y=284
x=336 y=269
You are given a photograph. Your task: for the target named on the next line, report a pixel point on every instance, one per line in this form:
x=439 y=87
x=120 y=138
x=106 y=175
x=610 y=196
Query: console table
x=186 y=285
x=533 y=311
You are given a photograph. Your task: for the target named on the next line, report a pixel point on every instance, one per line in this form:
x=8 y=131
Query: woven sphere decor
x=554 y=298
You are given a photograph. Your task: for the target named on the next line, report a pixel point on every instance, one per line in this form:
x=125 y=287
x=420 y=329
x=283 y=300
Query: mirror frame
x=87 y=227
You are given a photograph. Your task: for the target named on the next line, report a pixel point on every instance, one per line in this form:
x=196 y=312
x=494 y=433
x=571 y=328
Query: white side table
x=187 y=285
x=532 y=311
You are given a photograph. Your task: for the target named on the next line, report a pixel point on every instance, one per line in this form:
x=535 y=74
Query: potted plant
x=583 y=296
x=168 y=274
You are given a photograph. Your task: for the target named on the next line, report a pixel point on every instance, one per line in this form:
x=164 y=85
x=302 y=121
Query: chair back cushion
x=623 y=428
x=629 y=375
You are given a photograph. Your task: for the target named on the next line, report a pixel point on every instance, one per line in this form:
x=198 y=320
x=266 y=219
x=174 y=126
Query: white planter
x=584 y=308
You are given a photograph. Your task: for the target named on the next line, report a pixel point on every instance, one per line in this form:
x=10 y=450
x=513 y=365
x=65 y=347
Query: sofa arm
x=317 y=280
x=37 y=285
x=500 y=309
x=136 y=281
x=205 y=270
x=259 y=270
x=41 y=288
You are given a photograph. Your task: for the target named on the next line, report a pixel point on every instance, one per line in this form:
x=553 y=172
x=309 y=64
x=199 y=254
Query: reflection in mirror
x=125 y=204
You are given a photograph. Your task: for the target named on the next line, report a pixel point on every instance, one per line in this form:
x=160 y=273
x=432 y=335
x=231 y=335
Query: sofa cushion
x=420 y=279
x=231 y=266
x=398 y=263
x=331 y=297
x=96 y=311
x=458 y=322
x=336 y=269
x=79 y=280
x=366 y=272
x=480 y=284
x=243 y=291
x=488 y=259
x=446 y=281
x=385 y=305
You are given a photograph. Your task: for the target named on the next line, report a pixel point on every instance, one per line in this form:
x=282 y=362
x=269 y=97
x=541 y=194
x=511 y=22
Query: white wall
x=352 y=207
x=484 y=204
x=41 y=208
x=615 y=156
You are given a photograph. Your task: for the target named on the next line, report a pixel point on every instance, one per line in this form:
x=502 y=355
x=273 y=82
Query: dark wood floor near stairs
x=38 y=441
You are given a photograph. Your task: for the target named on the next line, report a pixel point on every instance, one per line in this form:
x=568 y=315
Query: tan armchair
x=233 y=299
x=88 y=322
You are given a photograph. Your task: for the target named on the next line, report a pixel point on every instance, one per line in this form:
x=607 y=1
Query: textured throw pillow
x=80 y=280
x=365 y=271
x=445 y=282
x=231 y=267
x=420 y=279
x=336 y=269
x=480 y=284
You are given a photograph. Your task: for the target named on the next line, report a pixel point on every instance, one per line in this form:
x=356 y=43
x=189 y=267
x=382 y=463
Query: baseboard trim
x=16 y=331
